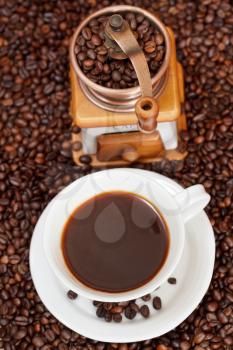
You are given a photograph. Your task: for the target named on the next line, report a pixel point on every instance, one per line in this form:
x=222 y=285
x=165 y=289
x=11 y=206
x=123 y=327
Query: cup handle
x=191 y=201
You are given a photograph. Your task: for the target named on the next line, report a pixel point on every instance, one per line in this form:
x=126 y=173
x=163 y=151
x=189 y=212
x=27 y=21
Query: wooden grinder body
x=114 y=139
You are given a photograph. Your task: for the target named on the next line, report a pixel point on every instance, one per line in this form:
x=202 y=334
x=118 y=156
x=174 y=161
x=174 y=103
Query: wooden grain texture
x=147 y=111
x=129 y=146
x=170 y=155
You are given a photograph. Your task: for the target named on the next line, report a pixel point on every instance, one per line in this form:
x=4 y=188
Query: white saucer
x=193 y=275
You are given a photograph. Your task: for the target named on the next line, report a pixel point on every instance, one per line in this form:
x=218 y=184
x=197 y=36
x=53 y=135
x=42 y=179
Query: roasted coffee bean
x=91 y=54
x=76 y=146
x=212 y=306
x=108 y=317
x=88 y=63
x=185 y=345
x=116 y=76
x=75 y=129
x=157 y=303
x=65 y=335
x=159 y=39
x=116 y=309
x=49 y=88
x=199 y=337
x=162 y=347
x=21 y=320
x=117 y=318
x=123 y=347
x=4 y=201
x=172 y=280
x=133 y=24
x=134 y=307
x=50 y=335
x=81 y=56
x=150 y=46
x=72 y=295
x=20 y=334
x=86 y=33
x=38 y=341
x=145 y=311
x=90 y=45
x=107 y=306
x=100 y=312
x=96 y=40
x=146 y=297
x=101 y=51
x=85 y=159
x=130 y=313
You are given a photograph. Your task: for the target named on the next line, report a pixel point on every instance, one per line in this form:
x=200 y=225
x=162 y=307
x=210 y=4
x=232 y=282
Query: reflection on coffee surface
x=115 y=242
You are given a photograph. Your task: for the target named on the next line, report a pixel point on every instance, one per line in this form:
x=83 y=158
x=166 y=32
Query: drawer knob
x=130 y=154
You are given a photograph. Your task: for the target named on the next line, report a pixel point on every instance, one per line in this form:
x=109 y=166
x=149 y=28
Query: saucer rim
x=146 y=333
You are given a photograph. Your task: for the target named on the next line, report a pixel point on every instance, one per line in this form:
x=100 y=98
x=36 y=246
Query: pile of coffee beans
x=97 y=64
x=115 y=311
x=36 y=163
x=129 y=309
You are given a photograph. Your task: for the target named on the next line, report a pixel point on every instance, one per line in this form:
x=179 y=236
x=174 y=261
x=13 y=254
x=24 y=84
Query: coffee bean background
x=36 y=163
x=94 y=59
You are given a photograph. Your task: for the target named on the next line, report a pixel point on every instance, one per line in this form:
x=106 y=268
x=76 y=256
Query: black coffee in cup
x=115 y=242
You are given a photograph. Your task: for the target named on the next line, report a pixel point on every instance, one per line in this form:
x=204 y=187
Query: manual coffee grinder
x=136 y=124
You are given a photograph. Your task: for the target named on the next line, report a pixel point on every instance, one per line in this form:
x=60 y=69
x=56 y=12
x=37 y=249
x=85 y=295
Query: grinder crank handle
x=146 y=108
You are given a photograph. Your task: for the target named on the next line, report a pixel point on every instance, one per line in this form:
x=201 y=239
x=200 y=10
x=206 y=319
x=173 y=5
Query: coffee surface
x=115 y=242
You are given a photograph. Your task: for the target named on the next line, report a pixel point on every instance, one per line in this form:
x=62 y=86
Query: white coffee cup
x=176 y=211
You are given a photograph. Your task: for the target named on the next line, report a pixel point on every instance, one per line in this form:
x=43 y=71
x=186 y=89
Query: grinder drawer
x=130 y=146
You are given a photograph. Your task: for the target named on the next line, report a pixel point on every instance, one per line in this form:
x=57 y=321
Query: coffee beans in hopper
x=34 y=166
x=95 y=62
